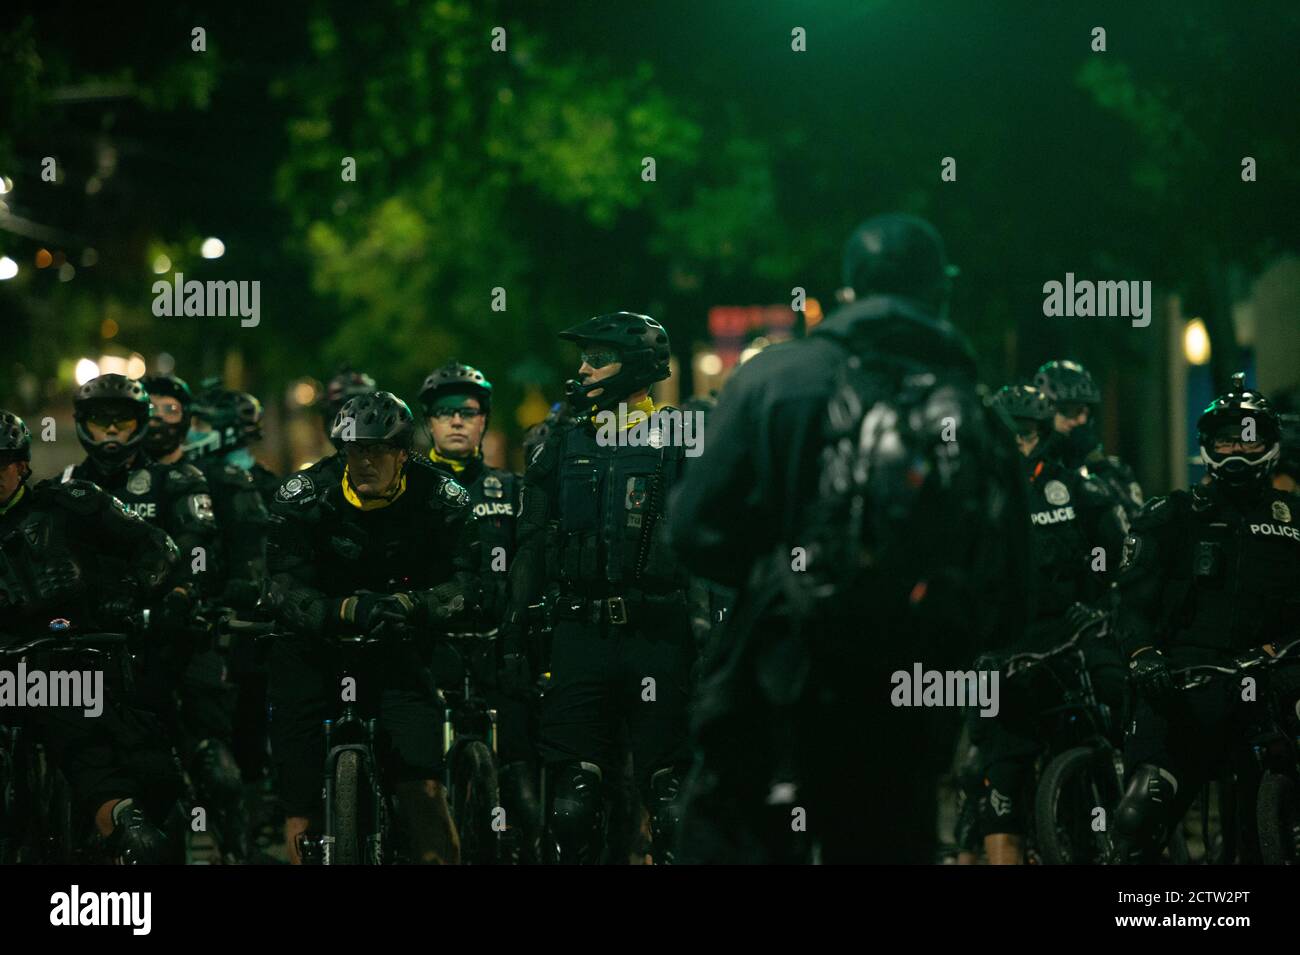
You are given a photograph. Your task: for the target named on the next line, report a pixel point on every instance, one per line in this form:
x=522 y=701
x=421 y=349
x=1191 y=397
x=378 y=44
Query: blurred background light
x=8 y=268
x=1196 y=342
x=86 y=370
x=212 y=248
x=162 y=264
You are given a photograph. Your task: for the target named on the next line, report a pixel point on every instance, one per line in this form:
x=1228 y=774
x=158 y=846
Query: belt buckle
x=617 y=610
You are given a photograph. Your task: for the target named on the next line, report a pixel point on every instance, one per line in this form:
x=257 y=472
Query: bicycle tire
x=1053 y=845
x=1278 y=811
x=475 y=796
x=347 y=809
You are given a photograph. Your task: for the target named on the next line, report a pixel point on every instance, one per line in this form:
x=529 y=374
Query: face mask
x=200 y=443
x=1080 y=442
x=242 y=459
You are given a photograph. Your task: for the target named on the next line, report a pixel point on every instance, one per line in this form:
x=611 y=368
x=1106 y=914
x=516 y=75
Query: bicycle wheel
x=1278 y=809
x=475 y=796
x=1075 y=784
x=347 y=808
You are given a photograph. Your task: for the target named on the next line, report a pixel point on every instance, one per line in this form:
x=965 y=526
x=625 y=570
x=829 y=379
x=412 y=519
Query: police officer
x=1207 y=574
x=69 y=550
x=233 y=577
x=622 y=648
x=1076 y=530
x=391 y=540
x=112 y=415
x=777 y=774
x=225 y=423
x=1075 y=398
x=457 y=404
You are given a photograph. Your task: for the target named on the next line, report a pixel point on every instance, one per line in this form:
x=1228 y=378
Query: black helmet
x=1023 y=403
x=897 y=254
x=234 y=416
x=1235 y=412
x=1067 y=382
x=15 y=439
x=642 y=345
x=345 y=385
x=377 y=418
x=117 y=394
x=455 y=378
x=164 y=437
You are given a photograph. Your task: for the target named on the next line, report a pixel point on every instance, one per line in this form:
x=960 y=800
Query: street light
x=1196 y=342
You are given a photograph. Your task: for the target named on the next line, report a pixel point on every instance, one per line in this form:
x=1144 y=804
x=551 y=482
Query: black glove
x=366 y=610
x=177 y=611
x=1150 y=673
x=454 y=603
x=1081 y=615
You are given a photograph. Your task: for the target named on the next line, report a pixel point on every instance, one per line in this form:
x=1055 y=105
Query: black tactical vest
x=609 y=533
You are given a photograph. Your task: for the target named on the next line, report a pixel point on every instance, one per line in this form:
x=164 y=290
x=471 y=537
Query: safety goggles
x=599 y=358
x=108 y=419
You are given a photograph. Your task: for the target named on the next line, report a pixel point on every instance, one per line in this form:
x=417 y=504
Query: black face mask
x=1079 y=443
x=162 y=438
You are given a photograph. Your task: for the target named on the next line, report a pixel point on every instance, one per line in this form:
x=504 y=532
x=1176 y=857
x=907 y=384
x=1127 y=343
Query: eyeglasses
x=599 y=359
x=1071 y=409
x=167 y=408
x=446 y=414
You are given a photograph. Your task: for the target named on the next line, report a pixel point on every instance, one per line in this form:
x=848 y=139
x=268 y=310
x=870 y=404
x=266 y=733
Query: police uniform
x=69 y=550
x=1071 y=516
x=324 y=547
x=622 y=647
x=1205 y=576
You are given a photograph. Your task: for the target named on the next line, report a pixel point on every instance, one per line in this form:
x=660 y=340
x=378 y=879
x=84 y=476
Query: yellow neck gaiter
x=370 y=505
x=456 y=464
x=18 y=496
x=639 y=411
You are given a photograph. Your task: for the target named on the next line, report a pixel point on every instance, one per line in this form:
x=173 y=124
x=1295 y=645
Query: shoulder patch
x=296 y=489
x=454 y=493
x=81 y=497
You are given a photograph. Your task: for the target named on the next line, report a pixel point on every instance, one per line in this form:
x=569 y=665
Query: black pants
x=122 y=752
x=394 y=684
x=798 y=746
x=600 y=675
x=1012 y=740
x=1194 y=734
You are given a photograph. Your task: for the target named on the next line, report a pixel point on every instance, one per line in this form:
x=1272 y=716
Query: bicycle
x=36 y=801
x=1274 y=744
x=1081 y=767
x=470 y=755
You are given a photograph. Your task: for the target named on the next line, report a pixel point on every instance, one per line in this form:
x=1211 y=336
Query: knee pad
x=1142 y=816
x=216 y=774
x=577 y=812
x=135 y=840
x=665 y=812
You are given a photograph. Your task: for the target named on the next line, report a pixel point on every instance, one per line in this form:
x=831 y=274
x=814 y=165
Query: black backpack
x=920 y=503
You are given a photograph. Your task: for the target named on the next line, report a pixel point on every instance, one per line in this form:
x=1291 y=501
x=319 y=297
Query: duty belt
x=615 y=608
